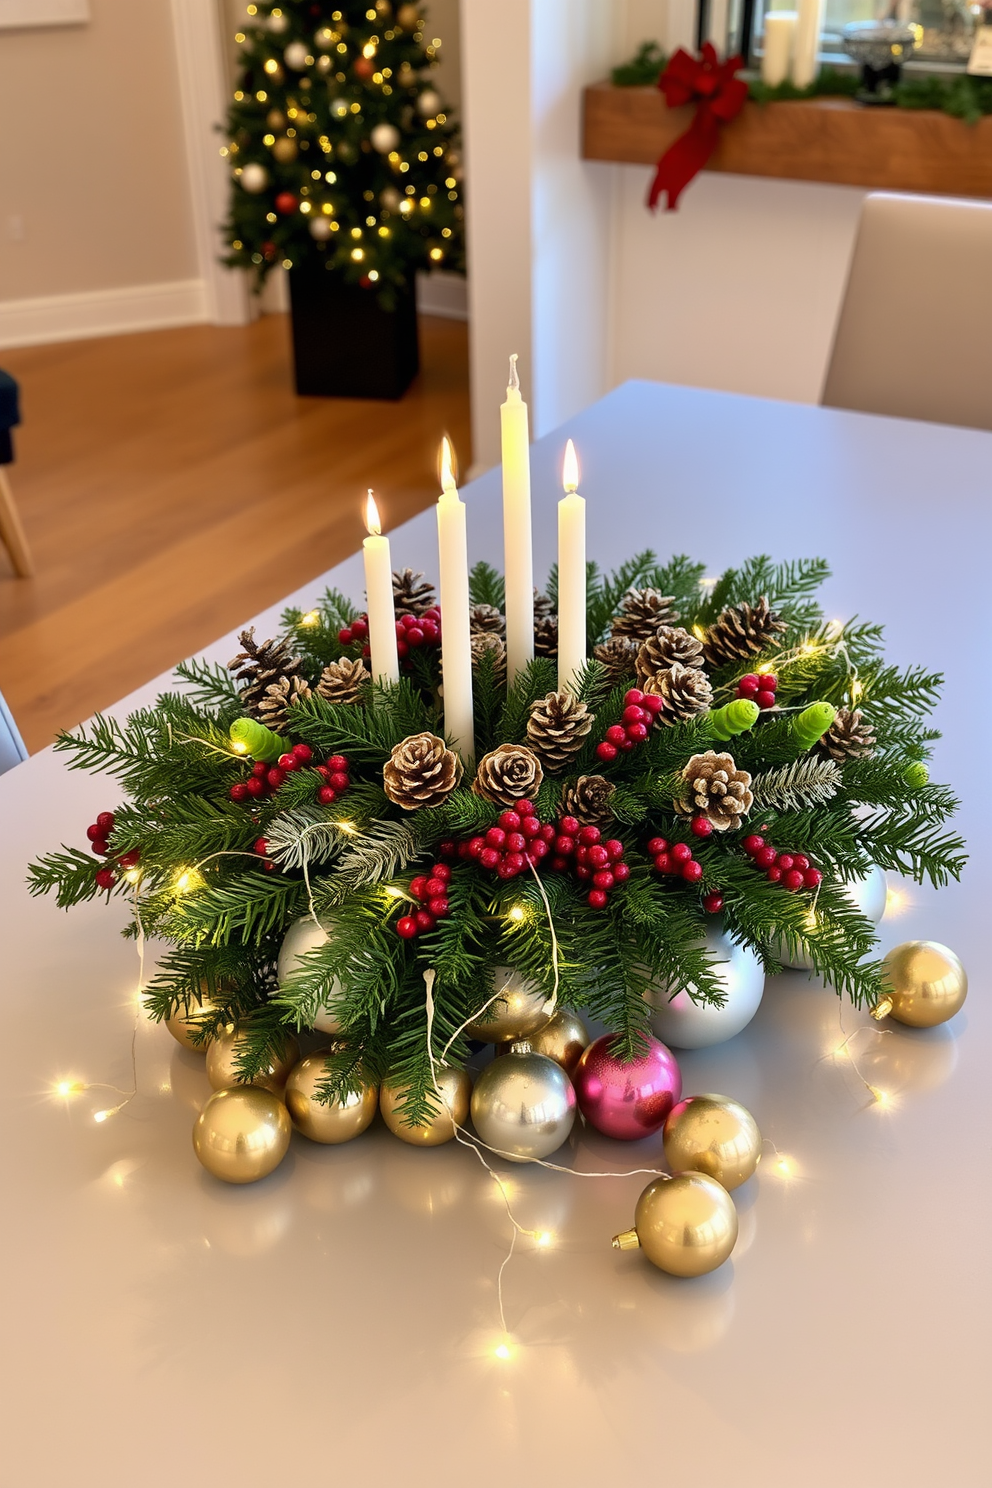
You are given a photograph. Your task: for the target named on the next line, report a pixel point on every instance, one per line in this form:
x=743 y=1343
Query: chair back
x=12 y=749
x=914 y=337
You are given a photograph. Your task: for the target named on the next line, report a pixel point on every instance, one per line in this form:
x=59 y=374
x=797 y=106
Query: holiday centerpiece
x=346 y=172
x=416 y=825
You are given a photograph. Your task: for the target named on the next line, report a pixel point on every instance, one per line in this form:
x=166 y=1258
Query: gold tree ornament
x=242 y=1135
x=222 y=1063
x=523 y=1106
x=716 y=789
x=563 y=1039
x=507 y=774
x=715 y=1135
x=421 y=771
x=343 y=681
x=330 y=1122
x=557 y=728
x=192 y=1019
x=685 y=691
x=925 y=984
x=588 y=800
x=686 y=1225
x=448 y=1114
x=742 y=631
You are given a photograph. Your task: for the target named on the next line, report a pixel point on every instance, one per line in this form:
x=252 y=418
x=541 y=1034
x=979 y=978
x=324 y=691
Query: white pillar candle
x=776 y=57
x=518 y=547
x=571 y=576
x=805 y=56
x=379 y=598
x=456 y=643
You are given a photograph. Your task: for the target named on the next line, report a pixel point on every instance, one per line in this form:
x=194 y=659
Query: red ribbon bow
x=719 y=97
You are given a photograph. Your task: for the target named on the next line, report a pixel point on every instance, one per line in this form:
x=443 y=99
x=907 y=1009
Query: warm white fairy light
x=516 y=913
x=503 y=1351
x=66 y=1088
x=186 y=880
x=896 y=902
x=545 y=1239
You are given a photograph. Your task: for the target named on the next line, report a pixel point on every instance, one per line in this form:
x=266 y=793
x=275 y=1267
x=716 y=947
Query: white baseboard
x=442 y=294
x=102 y=312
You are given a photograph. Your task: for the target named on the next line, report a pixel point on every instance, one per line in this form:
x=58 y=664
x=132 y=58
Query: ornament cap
x=882 y=1009
x=626 y=1240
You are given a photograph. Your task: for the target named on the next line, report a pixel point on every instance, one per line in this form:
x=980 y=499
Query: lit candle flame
x=570 y=469
x=373 y=526
x=448 y=481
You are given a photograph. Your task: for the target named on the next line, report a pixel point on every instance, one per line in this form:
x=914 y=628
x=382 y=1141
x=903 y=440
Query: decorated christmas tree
x=342 y=151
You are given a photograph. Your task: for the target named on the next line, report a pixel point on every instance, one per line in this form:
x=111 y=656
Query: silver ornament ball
x=428 y=104
x=295 y=56
x=254 y=178
x=523 y=1106
x=302 y=936
x=384 y=137
x=319 y=228
x=684 y=1024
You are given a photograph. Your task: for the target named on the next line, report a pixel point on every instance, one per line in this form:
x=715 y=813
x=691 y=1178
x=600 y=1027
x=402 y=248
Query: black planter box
x=344 y=344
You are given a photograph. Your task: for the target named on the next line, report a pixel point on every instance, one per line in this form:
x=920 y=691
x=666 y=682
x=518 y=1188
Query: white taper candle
x=456 y=641
x=518 y=547
x=379 y=598
x=571 y=576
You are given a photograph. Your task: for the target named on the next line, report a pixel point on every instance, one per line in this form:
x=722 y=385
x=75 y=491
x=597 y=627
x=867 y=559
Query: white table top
x=337 y=1322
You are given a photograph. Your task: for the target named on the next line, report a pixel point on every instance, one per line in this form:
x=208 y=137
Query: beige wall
x=91 y=155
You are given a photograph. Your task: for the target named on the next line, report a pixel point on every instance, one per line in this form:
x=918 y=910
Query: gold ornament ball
x=241 y=1135
x=523 y=1106
x=715 y=1135
x=686 y=1225
x=456 y=1092
x=182 y=1025
x=334 y=1122
x=563 y=1039
x=925 y=984
x=520 y=1010
x=285 y=150
x=222 y=1068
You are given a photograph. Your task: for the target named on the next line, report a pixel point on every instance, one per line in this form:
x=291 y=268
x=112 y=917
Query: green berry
x=812 y=723
x=256 y=740
x=734 y=718
x=916 y=774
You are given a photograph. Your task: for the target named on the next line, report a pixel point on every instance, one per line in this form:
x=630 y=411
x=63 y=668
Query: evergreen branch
x=210 y=685
x=382 y=852
x=808 y=781
x=301 y=838
x=486 y=586
x=71 y=873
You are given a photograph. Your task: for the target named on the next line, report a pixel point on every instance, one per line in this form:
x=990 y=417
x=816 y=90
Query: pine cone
x=543 y=606
x=342 y=681
x=421 y=771
x=686 y=691
x=412 y=594
x=848 y=737
x=546 y=635
x=588 y=800
x=487 y=643
x=557 y=727
x=619 y=656
x=273 y=710
x=508 y=774
x=257 y=667
x=741 y=631
x=486 y=620
x=669 y=646
x=641 y=612
x=716 y=789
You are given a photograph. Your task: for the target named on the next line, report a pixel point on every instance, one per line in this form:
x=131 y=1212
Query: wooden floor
x=172 y=484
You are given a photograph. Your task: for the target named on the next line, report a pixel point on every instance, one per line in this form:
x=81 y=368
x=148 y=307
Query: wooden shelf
x=822 y=139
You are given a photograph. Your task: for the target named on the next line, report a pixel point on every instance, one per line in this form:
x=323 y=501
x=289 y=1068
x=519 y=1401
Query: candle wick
x=514 y=382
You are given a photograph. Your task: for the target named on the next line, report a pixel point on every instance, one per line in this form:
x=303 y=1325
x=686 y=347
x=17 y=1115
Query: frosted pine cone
x=273 y=710
x=588 y=800
x=546 y=636
x=412 y=594
x=716 y=789
x=508 y=774
x=741 y=631
x=848 y=737
x=619 y=656
x=485 y=619
x=342 y=681
x=669 y=646
x=421 y=771
x=543 y=607
x=641 y=612
x=686 y=691
x=557 y=727
x=487 y=643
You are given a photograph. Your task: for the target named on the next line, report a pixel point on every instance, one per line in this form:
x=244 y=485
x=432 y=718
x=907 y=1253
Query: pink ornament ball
x=627 y=1101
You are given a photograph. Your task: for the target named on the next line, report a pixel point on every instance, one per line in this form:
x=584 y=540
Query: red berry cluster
x=431 y=889
x=759 y=689
x=592 y=860
x=265 y=779
x=98 y=833
x=412 y=632
x=792 y=870
x=518 y=841
x=674 y=859
x=639 y=713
